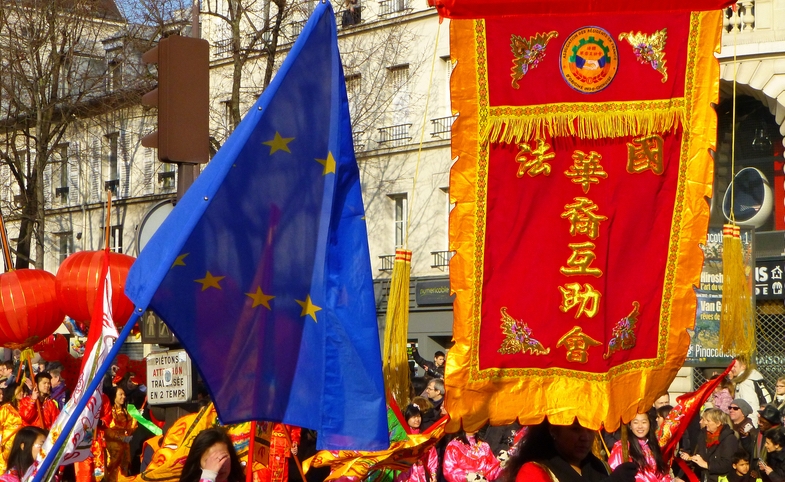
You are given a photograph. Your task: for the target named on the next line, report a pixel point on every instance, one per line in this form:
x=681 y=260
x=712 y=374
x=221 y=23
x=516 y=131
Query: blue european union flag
x=262 y=269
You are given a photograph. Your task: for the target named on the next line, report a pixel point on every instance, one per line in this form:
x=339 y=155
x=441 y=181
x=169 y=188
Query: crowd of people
x=739 y=436
x=30 y=405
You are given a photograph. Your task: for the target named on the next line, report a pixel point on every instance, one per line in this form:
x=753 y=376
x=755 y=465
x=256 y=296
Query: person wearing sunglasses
x=739 y=411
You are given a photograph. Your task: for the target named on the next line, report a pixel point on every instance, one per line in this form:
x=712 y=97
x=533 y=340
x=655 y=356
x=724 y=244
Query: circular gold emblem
x=589 y=60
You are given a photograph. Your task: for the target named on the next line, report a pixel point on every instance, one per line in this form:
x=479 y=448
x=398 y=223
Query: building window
x=116 y=239
x=65 y=245
x=398 y=83
x=166 y=176
x=115 y=75
x=61 y=166
x=400 y=217
x=113 y=179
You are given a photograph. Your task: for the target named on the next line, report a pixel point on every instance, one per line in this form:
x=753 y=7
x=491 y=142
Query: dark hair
x=192 y=470
x=111 y=392
x=438 y=354
x=418 y=385
x=740 y=455
x=461 y=435
x=637 y=455
x=8 y=364
x=411 y=411
x=9 y=394
x=776 y=436
x=664 y=411
x=40 y=376
x=536 y=445
x=21 y=458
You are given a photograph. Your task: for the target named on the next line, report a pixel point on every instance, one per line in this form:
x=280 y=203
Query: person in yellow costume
x=10 y=422
x=120 y=426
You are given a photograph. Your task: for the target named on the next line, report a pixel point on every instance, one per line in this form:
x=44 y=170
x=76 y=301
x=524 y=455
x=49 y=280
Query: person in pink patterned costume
x=467 y=454
x=644 y=451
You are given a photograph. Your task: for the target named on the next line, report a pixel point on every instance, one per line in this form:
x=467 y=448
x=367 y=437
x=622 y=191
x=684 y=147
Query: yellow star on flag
x=180 y=261
x=279 y=143
x=259 y=298
x=329 y=164
x=210 y=281
x=308 y=307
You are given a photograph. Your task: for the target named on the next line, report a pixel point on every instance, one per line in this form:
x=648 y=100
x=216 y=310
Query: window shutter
x=95 y=172
x=74 y=160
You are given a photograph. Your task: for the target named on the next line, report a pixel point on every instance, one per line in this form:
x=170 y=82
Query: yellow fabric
x=167 y=462
x=10 y=423
x=400 y=456
x=474 y=395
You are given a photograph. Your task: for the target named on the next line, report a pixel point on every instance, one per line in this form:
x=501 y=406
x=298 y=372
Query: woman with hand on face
x=773 y=469
x=644 y=451
x=212 y=459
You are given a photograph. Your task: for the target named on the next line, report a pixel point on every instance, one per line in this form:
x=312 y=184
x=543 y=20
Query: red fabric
x=531 y=472
x=544 y=84
x=500 y=8
x=687 y=407
x=687 y=470
x=38 y=414
x=536 y=245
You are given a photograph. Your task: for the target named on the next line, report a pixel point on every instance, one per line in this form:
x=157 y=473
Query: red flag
x=687 y=406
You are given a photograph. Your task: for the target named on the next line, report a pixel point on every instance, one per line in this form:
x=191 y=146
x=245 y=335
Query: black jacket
x=775 y=460
x=430 y=367
x=718 y=457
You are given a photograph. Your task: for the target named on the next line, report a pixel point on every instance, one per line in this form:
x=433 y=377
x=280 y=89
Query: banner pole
x=87 y=394
x=251 y=454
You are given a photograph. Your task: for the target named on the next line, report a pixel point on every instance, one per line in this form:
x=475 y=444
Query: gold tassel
x=737 y=323
x=396 y=330
x=514 y=128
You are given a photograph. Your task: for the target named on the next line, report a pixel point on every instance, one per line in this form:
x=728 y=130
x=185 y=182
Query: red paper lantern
x=29 y=311
x=78 y=281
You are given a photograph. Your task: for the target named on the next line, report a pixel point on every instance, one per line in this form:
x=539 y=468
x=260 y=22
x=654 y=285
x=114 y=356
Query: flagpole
x=251 y=454
x=97 y=380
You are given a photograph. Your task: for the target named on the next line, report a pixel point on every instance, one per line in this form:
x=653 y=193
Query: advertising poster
x=705 y=339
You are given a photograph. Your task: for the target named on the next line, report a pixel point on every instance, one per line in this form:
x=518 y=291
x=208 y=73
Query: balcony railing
x=394 y=134
x=441 y=259
x=359 y=140
x=740 y=20
x=388 y=7
x=442 y=127
x=388 y=260
x=351 y=16
x=222 y=47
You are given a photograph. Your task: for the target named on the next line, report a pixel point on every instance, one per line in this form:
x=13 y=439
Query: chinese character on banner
x=580 y=188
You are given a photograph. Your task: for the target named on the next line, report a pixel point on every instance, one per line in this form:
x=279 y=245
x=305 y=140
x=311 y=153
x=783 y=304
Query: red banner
x=582 y=173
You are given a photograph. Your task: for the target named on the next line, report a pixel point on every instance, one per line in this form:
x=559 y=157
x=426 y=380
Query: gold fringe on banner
x=513 y=125
x=396 y=328
x=737 y=324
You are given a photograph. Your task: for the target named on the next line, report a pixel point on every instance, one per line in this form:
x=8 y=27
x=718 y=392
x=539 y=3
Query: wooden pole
x=296 y=458
x=108 y=224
